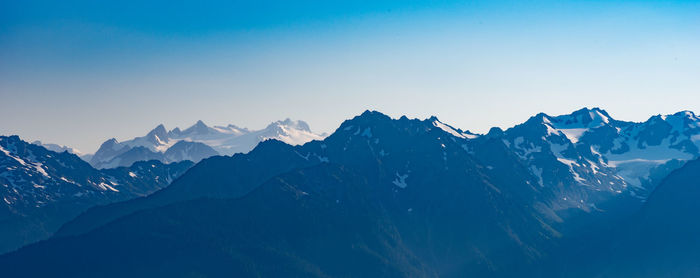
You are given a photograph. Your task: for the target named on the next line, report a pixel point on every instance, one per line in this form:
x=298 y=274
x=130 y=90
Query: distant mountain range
x=42 y=189
x=58 y=148
x=408 y=198
x=196 y=143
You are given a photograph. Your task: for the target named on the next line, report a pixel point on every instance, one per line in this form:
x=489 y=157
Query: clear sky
x=80 y=72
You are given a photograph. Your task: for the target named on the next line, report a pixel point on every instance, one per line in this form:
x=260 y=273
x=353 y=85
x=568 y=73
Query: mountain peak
x=371 y=115
x=540 y=118
x=57 y=148
x=175 y=131
x=110 y=145
x=303 y=126
x=678 y=121
x=366 y=118
x=685 y=114
x=586 y=117
x=495 y=132
x=594 y=109
x=11 y=138
x=110 y=142
x=198 y=128
x=597 y=111
x=159 y=131
x=300 y=125
x=286 y=121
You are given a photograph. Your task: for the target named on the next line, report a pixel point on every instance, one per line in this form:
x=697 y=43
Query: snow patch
x=551 y=130
x=367 y=133
x=400 y=180
x=323 y=159
x=106 y=187
x=67 y=180
x=305 y=157
x=573 y=134
x=453 y=131
x=538 y=173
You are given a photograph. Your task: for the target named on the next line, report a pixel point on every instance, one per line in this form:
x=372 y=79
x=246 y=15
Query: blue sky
x=80 y=72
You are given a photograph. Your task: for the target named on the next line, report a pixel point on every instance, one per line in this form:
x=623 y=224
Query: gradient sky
x=78 y=72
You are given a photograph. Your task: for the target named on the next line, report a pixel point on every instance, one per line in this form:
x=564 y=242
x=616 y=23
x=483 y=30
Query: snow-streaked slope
x=32 y=176
x=601 y=154
x=416 y=174
x=41 y=189
x=451 y=130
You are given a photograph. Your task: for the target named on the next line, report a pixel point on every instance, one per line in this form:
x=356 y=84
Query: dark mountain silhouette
x=397 y=197
x=402 y=198
x=662 y=239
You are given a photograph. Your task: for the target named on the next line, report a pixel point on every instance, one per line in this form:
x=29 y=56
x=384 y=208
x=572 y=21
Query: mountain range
x=42 y=189
x=409 y=198
x=59 y=148
x=196 y=143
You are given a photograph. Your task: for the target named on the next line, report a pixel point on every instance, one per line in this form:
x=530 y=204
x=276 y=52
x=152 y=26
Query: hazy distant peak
x=175 y=131
x=286 y=121
x=158 y=135
x=198 y=128
x=211 y=140
x=58 y=148
x=289 y=124
x=235 y=127
x=110 y=142
x=159 y=130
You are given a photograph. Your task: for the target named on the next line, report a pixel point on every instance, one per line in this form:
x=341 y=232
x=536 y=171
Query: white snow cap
x=226 y=140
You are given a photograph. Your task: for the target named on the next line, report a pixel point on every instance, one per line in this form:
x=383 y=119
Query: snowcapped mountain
x=40 y=189
x=197 y=142
x=400 y=197
x=602 y=156
x=579 y=160
x=419 y=197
